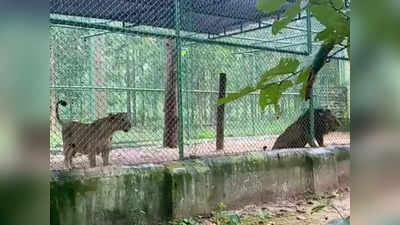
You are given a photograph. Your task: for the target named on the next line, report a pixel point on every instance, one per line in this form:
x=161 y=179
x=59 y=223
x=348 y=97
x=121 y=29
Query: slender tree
x=171 y=94
x=100 y=76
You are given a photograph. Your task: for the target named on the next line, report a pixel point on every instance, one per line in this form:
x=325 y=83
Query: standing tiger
x=90 y=138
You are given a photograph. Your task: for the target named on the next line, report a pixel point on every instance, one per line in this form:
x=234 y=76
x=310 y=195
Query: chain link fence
x=160 y=62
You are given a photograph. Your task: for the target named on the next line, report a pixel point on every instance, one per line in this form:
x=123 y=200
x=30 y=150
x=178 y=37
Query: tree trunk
x=318 y=63
x=100 y=77
x=171 y=100
x=133 y=85
x=53 y=122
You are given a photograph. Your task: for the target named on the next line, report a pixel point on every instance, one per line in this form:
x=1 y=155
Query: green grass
x=154 y=135
x=222 y=217
x=205 y=134
x=239 y=129
x=140 y=136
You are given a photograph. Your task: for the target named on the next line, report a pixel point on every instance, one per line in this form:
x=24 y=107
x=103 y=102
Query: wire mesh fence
x=161 y=66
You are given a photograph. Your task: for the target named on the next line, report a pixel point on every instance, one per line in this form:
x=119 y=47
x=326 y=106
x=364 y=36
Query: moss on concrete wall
x=154 y=194
x=132 y=196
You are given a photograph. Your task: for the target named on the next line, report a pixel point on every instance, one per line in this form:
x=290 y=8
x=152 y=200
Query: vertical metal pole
x=134 y=73
x=179 y=73
x=309 y=51
x=128 y=84
x=254 y=98
x=341 y=73
x=188 y=95
x=221 y=113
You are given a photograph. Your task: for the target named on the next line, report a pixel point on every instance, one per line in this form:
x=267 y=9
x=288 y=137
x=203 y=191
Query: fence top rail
x=162 y=33
x=88 y=88
x=198 y=16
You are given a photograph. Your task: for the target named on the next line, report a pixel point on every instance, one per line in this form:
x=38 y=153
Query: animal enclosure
x=160 y=61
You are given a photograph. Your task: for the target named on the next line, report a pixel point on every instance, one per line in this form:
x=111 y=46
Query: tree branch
x=336 y=52
x=291 y=75
x=318 y=63
x=339 y=10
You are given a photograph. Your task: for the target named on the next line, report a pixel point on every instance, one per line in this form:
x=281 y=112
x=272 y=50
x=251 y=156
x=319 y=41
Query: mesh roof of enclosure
x=200 y=16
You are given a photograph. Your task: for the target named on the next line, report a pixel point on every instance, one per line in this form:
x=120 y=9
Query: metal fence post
x=254 y=97
x=179 y=73
x=221 y=113
x=188 y=97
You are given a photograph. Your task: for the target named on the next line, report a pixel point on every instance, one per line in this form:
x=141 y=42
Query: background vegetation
x=97 y=74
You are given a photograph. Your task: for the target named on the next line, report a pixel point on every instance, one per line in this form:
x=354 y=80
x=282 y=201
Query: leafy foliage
x=189 y=221
x=337 y=26
x=285 y=66
x=143 y=60
x=289 y=15
x=302 y=79
x=234 y=96
x=330 y=13
x=269 y=6
x=338 y=4
x=270 y=93
x=220 y=217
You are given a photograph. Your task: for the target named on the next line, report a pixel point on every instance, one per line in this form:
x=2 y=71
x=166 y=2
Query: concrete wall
x=152 y=194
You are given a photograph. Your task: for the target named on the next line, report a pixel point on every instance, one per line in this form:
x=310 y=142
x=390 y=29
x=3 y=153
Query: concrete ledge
x=153 y=194
x=135 y=195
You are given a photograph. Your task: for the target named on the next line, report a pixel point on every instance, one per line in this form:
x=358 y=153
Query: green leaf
x=233 y=96
x=337 y=26
x=320 y=2
x=289 y=15
x=324 y=35
x=303 y=76
x=263 y=100
x=330 y=35
x=184 y=52
x=285 y=66
x=327 y=16
x=277 y=109
x=269 y=6
x=271 y=94
x=234 y=219
x=303 y=90
x=345 y=28
x=267 y=95
x=284 y=85
x=338 y=4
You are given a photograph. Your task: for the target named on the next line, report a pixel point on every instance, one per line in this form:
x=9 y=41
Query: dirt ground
x=155 y=154
x=308 y=211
